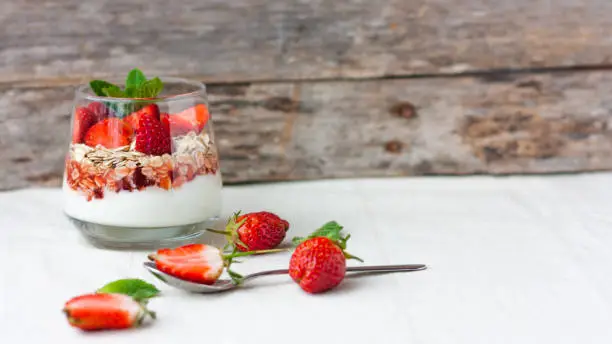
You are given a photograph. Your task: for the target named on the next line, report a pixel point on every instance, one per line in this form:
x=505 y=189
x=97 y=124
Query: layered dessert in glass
x=142 y=171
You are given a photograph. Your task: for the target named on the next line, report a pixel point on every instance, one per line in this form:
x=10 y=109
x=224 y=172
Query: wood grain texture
x=66 y=41
x=530 y=123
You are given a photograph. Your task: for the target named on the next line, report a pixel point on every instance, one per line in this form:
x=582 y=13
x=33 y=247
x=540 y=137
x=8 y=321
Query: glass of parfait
x=142 y=168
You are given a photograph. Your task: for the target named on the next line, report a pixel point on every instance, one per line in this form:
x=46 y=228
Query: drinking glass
x=142 y=172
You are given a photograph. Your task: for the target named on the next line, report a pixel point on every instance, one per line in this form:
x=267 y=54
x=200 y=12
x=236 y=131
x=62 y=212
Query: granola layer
x=94 y=171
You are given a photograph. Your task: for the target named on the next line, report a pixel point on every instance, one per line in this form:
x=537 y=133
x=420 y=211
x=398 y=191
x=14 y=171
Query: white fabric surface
x=511 y=260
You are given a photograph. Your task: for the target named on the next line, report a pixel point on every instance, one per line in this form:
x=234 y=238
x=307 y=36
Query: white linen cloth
x=511 y=260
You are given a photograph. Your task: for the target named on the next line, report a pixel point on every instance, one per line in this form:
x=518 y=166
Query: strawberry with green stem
x=318 y=263
x=260 y=230
x=199 y=263
x=118 y=305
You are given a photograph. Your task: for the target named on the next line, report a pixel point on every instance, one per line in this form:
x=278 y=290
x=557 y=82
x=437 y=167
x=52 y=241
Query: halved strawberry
x=110 y=133
x=152 y=137
x=134 y=118
x=198 y=263
x=191 y=119
x=102 y=311
x=165 y=120
x=83 y=120
x=99 y=110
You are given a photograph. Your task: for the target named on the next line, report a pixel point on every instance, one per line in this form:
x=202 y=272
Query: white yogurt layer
x=195 y=201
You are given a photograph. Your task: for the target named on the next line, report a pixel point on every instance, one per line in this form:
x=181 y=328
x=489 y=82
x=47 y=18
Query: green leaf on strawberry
x=136 y=288
x=333 y=231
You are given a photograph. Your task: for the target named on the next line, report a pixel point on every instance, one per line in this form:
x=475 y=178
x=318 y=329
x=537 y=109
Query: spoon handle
x=371 y=268
x=387 y=268
x=266 y=273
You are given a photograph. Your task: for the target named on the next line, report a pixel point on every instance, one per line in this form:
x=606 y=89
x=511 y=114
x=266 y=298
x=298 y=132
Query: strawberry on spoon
x=199 y=263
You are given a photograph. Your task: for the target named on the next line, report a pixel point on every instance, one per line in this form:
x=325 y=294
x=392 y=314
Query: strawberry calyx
x=229 y=260
x=333 y=231
x=231 y=231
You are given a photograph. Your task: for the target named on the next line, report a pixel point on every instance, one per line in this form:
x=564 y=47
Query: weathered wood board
x=527 y=123
x=67 y=41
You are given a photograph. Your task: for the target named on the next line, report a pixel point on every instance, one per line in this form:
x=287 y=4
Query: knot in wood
x=403 y=109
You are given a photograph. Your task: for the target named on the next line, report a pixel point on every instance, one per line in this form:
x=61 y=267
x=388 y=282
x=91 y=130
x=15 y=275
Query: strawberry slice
x=102 y=311
x=152 y=137
x=191 y=119
x=109 y=133
x=99 y=110
x=83 y=120
x=165 y=120
x=198 y=263
x=134 y=119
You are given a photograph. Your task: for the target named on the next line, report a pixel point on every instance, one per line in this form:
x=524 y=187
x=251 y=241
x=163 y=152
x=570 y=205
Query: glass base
x=114 y=237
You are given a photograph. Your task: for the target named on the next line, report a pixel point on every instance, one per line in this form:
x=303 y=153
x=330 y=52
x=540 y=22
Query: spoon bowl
x=226 y=284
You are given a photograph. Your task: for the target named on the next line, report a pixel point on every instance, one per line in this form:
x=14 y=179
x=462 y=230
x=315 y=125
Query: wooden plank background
x=326 y=89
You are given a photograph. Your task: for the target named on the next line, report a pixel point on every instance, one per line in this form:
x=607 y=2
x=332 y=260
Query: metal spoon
x=226 y=284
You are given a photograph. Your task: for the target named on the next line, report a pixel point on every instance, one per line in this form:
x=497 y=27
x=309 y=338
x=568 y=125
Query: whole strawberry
x=133 y=120
x=318 y=263
x=99 y=110
x=117 y=305
x=152 y=137
x=255 y=231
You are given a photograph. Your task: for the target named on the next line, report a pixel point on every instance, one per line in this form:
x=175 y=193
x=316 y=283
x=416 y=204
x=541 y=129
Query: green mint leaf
x=151 y=88
x=136 y=288
x=137 y=92
x=114 y=92
x=135 y=78
x=98 y=86
x=131 y=91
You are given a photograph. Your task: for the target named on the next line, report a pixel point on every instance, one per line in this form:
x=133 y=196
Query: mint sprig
x=136 y=86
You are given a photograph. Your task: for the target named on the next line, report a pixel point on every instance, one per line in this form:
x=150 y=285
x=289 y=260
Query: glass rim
x=81 y=91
